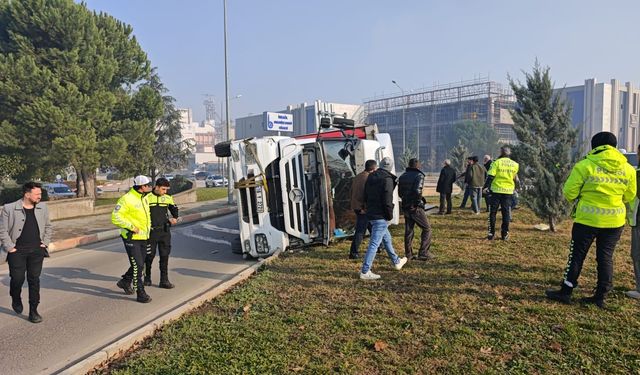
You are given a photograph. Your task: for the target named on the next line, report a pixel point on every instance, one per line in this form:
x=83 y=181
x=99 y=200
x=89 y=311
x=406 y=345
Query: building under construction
x=423 y=119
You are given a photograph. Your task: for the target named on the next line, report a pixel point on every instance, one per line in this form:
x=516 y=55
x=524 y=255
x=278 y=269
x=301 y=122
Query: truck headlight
x=262 y=245
x=247 y=246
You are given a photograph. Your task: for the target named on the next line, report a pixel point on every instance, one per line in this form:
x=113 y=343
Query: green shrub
x=180 y=184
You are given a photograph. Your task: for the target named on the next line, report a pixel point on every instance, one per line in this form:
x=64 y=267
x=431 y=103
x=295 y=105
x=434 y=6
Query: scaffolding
x=429 y=114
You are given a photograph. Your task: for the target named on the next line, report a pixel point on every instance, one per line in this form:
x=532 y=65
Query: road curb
x=70 y=243
x=121 y=346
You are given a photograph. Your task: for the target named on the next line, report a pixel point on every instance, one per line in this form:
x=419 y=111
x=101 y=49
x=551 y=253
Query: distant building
x=306 y=119
x=203 y=134
x=429 y=115
x=603 y=106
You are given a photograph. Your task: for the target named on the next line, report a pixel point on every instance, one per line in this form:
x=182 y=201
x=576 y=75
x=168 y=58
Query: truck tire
x=236 y=246
x=223 y=149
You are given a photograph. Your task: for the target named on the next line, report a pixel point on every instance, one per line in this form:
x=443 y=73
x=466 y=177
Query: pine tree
x=547 y=144
x=459 y=155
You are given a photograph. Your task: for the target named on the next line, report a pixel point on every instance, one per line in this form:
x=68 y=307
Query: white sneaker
x=633 y=294
x=401 y=263
x=369 y=276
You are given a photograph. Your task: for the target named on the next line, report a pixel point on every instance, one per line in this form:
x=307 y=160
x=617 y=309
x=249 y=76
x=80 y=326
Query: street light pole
x=226 y=95
x=404 y=129
x=418 y=135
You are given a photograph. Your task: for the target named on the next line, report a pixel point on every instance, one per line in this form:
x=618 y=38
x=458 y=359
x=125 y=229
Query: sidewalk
x=69 y=233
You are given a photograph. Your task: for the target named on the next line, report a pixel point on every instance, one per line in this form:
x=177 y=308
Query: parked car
x=201 y=175
x=215 y=180
x=57 y=191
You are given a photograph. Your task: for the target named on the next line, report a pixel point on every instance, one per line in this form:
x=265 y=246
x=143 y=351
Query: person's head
x=370 y=165
x=414 y=163
x=486 y=158
x=604 y=138
x=162 y=186
x=386 y=163
x=505 y=151
x=142 y=184
x=474 y=159
x=32 y=192
x=447 y=162
x=469 y=160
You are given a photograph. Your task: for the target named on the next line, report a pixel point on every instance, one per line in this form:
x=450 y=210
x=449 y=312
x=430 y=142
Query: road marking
x=189 y=233
x=216 y=228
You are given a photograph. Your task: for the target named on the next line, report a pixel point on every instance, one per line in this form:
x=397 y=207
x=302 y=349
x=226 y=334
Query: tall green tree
x=459 y=155
x=66 y=97
x=547 y=148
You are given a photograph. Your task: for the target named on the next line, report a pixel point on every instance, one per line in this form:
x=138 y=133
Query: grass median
x=478 y=308
x=209 y=194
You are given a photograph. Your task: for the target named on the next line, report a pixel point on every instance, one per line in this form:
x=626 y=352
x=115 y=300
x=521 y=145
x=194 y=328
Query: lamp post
x=226 y=95
x=404 y=129
x=418 y=135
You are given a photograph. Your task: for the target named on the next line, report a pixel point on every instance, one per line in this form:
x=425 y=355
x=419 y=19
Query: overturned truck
x=295 y=191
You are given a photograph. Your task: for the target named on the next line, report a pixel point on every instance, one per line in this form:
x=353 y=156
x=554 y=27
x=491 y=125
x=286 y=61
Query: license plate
x=259 y=199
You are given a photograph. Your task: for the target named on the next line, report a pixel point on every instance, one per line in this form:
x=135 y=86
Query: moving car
x=58 y=191
x=216 y=180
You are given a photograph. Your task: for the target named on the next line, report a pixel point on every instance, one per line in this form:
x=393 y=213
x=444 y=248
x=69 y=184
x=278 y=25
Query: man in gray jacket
x=25 y=233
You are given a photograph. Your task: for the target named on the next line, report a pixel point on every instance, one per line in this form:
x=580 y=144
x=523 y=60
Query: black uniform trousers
x=159 y=239
x=412 y=217
x=582 y=236
x=27 y=261
x=502 y=201
x=136 y=251
x=445 y=197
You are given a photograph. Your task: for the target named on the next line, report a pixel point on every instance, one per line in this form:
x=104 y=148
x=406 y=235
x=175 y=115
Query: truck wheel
x=246 y=256
x=223 y=149
x=236 y=246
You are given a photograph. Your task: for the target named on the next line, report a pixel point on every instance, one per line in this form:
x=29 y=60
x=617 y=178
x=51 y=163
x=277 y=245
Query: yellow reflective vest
x=503 y=170
x=600 y=185
x=132 y=210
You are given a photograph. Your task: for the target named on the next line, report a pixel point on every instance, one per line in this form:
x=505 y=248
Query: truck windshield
x=341 y=170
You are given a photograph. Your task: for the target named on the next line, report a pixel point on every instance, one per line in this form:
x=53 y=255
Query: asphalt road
x=83 y=310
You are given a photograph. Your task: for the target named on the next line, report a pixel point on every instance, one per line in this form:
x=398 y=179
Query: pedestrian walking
x=487 y=164
x=501 y=182
x=379 y=194
x=132 y=215
x=410 y=186
x=445 y=186
x=358 y=200
x=632 y=218
x=25 y=233
x=478 y=178
x=600 y=185
x=164 y=214
x=467 y=183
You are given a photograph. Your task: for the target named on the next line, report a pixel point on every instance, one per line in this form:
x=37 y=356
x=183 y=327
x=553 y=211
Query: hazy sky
x=285 y=52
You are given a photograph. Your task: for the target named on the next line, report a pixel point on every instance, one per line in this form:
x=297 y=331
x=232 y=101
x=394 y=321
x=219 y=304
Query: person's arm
x=573 y=185
x=388 y=198
x=173 y=209
x=48 y=228
x=632 y=188
x=5 y=238
x=119 y=216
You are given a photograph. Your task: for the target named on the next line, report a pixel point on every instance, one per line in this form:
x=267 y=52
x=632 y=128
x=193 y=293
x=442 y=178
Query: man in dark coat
x=445 y=186
x=379 y=194
x=358 y=201
x=487 y=164
x=410 y=190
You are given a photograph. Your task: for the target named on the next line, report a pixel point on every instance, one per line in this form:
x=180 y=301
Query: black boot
x=143 y=297
x=563 y=295
x=147 y=274
x=16 y=304
x=597 y=299
x=34 y=317
x=125 y=285
x=164 y=273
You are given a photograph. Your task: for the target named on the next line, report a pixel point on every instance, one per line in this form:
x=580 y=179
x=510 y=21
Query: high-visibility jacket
x=132 y=210
x=632 y=207
x=601 y=184
x=158 y=207
x=503 y=170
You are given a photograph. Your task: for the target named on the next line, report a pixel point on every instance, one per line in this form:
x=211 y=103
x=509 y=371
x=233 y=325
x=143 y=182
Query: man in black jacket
x=410 y=190
x=378 y=191
x=445 y=186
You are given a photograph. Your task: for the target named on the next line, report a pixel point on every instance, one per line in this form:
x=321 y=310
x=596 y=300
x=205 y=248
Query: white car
x=215 y=180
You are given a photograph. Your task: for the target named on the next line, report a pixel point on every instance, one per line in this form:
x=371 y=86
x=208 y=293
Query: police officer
x=410 y=190
x=601 y=184
x=131 y=214
x=160 y=205
x=501 y=182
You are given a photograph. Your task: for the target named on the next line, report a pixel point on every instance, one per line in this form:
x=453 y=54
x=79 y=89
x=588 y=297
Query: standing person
x=132 y=215
x=467 y=183
x=25 y=232
x=600 y=184
x=445 y=186
x=632 y=217
x=487 y=164
x=501 y=183
x=410 y=186
x=358 y=206
x=160 y=205
x=379 y=194
x=478 y=178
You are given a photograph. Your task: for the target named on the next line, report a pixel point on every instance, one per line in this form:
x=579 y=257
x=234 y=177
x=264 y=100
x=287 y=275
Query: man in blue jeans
x=378 y=191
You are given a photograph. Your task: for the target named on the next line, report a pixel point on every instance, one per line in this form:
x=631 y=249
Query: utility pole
x=228 y=117
x=404 y=129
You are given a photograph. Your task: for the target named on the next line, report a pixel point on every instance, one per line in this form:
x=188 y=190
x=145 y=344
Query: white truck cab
x=295 y=191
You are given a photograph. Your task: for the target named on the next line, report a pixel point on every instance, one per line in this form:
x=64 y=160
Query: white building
x=306 y=119
x=203 y=134
x=612 y=107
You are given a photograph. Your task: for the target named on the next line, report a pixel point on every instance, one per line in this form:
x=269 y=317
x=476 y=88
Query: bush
x=180 y=184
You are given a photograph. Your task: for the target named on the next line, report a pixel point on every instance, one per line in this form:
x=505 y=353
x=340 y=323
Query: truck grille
x=295 y=180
